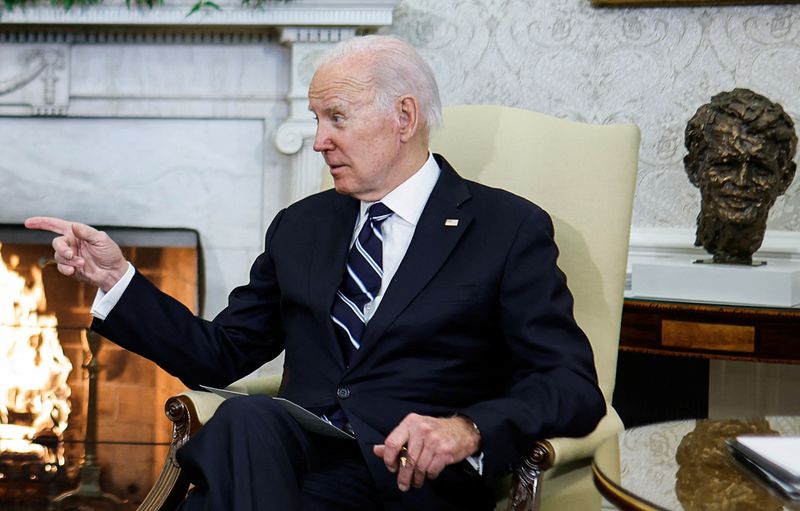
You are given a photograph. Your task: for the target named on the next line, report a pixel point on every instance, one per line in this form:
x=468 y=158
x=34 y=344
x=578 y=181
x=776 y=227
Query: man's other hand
x=83 y=252
x=421 y=447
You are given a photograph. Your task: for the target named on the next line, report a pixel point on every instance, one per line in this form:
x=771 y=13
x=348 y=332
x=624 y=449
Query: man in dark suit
x=446 y=359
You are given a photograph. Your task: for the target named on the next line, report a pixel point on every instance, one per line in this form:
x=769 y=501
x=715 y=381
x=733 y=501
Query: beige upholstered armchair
x=584 y=175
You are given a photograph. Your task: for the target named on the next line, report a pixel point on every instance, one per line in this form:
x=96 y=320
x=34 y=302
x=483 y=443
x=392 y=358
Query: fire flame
x=34 y=394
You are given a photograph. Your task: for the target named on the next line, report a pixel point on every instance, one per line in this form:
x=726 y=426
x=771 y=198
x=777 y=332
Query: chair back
x=584 y=176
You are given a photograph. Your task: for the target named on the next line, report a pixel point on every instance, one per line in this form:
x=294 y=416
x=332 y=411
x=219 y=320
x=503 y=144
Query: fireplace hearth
x=43 y=446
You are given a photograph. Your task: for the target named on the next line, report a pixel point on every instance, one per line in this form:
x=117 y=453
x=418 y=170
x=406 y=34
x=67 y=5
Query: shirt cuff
x=476 y=462
x=104 y=302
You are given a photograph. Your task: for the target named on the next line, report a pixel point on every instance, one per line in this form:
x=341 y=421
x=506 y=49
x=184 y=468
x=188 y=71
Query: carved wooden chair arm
x=188 y=412
x=172 y=484
x=556 y=452
x=527 y=478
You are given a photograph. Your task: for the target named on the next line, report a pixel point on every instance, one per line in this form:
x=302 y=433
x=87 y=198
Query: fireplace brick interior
x=132 y=428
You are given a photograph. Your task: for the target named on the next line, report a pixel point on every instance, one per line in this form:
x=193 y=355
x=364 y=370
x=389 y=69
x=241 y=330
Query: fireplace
x=40 y=455
x=148 y=117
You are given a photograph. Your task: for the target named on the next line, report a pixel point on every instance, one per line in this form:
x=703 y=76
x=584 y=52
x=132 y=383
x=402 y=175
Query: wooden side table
x=708 y=331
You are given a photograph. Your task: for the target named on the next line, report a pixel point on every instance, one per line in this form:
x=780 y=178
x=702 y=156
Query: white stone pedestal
x=776 y=284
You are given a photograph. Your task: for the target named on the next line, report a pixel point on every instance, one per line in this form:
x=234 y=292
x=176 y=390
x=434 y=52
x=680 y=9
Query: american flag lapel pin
x=451 y=222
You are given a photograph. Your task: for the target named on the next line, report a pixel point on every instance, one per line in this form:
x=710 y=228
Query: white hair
x=398 y=70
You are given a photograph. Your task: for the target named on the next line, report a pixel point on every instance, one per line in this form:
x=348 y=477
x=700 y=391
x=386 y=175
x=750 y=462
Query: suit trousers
x=253 y=456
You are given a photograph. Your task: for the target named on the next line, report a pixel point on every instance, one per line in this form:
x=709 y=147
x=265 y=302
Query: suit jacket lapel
x=430 y=247
x=333 y=230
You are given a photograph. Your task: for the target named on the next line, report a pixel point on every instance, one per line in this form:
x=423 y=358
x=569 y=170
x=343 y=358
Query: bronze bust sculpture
x=741 y=148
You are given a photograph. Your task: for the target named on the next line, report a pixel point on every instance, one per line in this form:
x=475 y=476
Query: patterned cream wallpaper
x=653 y=67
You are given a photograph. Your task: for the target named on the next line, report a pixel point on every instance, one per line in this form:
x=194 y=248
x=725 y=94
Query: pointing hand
x=83 y=252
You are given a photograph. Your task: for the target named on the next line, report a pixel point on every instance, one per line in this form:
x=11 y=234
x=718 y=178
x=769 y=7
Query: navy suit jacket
x=477 y=321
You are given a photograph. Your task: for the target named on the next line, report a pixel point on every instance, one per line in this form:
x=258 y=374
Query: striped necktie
x=362 y=281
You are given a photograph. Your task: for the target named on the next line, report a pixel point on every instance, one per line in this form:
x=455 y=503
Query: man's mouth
x=738 y=201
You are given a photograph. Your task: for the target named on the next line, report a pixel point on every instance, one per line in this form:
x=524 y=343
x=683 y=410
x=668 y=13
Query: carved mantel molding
x=35 y=70
x=318 y=13
x=44 y=64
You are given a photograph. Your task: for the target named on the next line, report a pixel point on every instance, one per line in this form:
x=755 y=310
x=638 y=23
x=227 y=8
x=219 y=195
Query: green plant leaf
x=203 y=4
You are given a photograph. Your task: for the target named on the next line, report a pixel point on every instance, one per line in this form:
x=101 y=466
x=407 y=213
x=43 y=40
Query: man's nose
x=742 y=177
x=322 y=141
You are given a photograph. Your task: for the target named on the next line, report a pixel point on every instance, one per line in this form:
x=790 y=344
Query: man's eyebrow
x=330 y=107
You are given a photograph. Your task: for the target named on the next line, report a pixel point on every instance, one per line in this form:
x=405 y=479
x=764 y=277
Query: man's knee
x=246 y=405
x=258 y=411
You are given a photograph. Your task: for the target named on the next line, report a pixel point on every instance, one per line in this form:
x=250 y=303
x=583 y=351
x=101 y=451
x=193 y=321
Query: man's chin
x=343 y=186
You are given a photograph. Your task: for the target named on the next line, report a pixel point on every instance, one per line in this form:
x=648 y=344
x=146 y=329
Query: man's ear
x=408 y=117
x=786 y=177
x=692 y=167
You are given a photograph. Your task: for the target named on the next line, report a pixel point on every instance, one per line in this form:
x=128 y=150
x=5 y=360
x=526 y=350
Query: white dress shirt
x=104 y=302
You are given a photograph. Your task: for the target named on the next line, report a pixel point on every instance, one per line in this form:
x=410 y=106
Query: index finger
x=48 y=223
x=395 y=444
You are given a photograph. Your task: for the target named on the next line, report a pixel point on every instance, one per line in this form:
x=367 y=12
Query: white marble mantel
x=150 y=118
